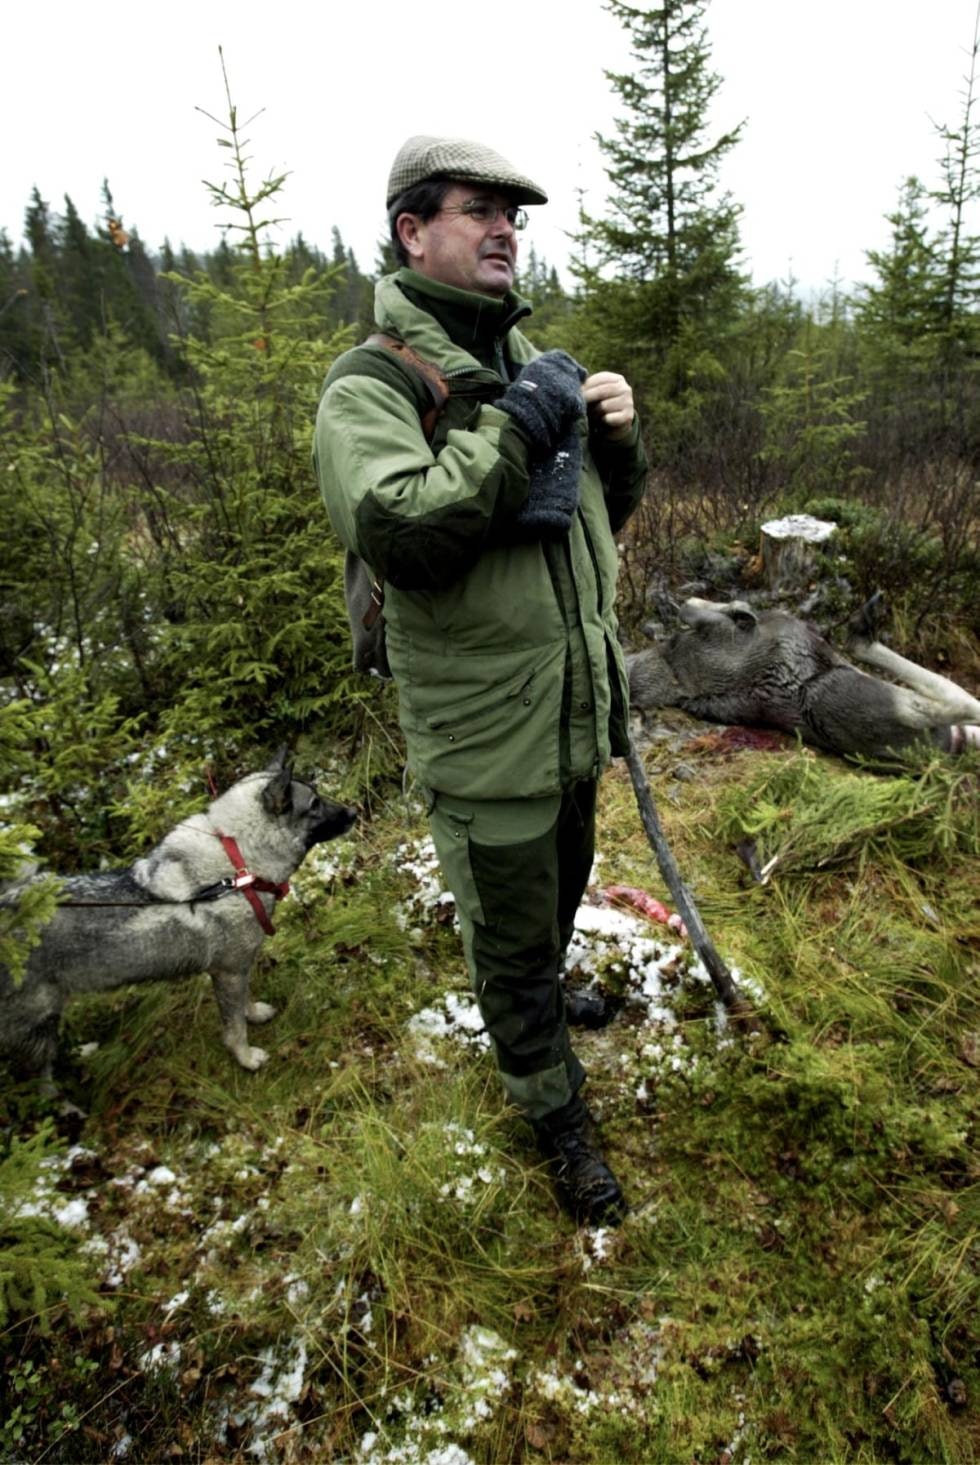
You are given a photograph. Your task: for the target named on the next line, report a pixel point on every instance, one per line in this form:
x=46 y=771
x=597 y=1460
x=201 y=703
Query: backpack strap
x=434 y=380
x=437 y=387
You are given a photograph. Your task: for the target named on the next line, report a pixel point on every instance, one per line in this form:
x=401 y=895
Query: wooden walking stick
x=683 y=899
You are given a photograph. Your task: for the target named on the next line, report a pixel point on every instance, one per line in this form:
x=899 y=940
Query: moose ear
x=741 y=615
x=277 y=796
x=281 y=760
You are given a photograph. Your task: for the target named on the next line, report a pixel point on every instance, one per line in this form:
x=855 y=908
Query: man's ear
x=407 y=229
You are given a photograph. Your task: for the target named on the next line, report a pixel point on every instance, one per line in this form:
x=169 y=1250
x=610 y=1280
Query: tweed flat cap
x=424 y=157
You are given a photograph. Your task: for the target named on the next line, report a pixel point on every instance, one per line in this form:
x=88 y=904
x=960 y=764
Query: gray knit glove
x=552 y=499
x=545 y=398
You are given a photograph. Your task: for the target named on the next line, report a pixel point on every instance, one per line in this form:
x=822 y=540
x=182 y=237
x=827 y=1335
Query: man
x=494 y=539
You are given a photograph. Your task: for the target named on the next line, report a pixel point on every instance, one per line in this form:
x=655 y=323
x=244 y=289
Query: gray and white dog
x=198 y=902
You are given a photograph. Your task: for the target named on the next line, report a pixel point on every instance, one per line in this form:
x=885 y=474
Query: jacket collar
x=456 y=329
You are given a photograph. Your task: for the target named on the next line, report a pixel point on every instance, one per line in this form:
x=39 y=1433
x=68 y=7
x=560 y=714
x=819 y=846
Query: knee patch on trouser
x=502 y=862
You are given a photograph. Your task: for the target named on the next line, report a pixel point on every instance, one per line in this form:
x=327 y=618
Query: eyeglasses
x=488 y=213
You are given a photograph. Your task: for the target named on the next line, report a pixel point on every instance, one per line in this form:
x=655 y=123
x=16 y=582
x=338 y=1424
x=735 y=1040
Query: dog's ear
x=277 y=796
x=281 y=760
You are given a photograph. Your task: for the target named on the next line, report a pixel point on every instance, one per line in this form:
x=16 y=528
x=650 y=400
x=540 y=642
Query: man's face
x=458 y=250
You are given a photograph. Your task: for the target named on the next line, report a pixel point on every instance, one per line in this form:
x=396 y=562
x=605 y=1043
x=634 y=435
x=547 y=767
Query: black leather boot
x=589 y=1009
x=586 y=1186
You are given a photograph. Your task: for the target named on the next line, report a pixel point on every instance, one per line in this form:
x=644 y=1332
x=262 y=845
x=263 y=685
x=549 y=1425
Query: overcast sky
x=839 y=100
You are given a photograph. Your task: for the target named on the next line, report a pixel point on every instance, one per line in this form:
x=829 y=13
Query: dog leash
x=251 y=886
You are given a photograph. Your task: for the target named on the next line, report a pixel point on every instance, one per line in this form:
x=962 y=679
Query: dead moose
x=729 y=663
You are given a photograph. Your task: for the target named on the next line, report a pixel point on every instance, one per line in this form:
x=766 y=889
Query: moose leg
x=231 y=994
x=952 y=703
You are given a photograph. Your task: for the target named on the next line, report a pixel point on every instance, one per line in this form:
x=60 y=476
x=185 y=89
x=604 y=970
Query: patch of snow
x=418 y=860
x=482 y=1376
x=161 y=1175
x=276 y=1388
x=221 y=1232
x=742 y=1428
x=297 y=1291
x=281 y=1379
x=597 y=1246
x=161 y=1358
x=120 y=1252
x=73 y=1214
x=604 y=937
x=640 y=1344
x=458 y=1020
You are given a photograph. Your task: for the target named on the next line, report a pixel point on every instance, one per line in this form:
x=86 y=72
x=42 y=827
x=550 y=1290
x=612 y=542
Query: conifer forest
x=353 y=1254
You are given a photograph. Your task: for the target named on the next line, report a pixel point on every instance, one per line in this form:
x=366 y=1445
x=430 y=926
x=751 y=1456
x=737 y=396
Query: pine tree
x=959 y=252
x=79 y=277
x=959 y=188
x=38 y=227
x=539 y=285
x=811 y=416
x=253 y=584
x=659 y=271
x=15 y=325
x=662 y=168
x=918 y=318
x=906 y=305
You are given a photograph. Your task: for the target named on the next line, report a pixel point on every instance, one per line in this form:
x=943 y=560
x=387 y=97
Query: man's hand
x=545 y=398
x=609 y=398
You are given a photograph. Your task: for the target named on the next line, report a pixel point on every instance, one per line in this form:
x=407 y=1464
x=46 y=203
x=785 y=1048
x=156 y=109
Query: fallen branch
x=720 y=976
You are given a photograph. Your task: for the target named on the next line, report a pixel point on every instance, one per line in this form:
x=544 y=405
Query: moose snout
x=347 y=816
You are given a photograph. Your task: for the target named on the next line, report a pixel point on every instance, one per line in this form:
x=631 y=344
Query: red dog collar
x=252 y=885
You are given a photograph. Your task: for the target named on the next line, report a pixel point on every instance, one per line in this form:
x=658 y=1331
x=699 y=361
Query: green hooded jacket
x=506 y=655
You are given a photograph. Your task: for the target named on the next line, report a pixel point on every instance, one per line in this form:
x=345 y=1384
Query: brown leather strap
x=438 y=389
x=377 y=604
x=434 y=380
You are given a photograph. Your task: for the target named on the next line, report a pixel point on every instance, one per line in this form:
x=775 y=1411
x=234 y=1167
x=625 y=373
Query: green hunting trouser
x=517 y=869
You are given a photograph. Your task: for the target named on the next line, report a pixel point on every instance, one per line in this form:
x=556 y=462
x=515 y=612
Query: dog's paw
x=260 y=1012
x=250 y=1058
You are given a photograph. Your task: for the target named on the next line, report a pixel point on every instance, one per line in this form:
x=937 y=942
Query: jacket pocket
x=456 y=720
x=499 y=742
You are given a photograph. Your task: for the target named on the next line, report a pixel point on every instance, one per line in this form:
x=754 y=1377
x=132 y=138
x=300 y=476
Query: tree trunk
x=788 y=549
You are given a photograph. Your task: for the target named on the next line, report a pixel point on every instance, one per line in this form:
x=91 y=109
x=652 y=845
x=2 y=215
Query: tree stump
x=787 y=548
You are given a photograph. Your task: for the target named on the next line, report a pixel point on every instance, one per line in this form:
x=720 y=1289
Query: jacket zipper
x=595 y=562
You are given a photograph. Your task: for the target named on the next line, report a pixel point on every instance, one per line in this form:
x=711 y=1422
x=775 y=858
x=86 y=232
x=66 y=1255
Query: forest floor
x=355 y=1255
